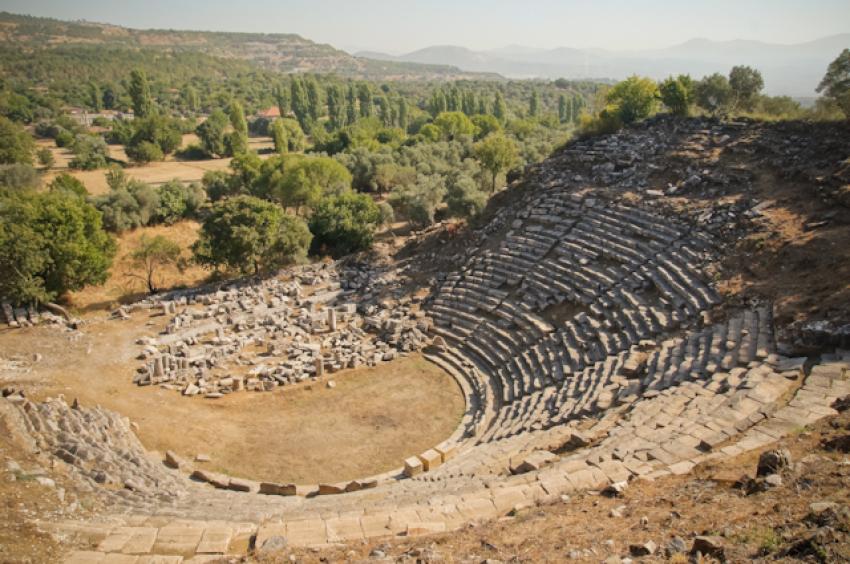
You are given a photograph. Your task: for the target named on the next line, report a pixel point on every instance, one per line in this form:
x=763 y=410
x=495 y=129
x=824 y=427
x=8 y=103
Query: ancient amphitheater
x=582 y=324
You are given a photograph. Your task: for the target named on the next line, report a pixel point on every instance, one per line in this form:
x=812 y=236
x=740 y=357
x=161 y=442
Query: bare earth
x=367 y=424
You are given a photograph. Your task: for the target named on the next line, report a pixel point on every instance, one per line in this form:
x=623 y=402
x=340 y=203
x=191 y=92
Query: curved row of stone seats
x=663 y=433
x=620 y=303
x=622 y=379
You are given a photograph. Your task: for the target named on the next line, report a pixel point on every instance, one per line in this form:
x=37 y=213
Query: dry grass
x=120 y=288
x=153 y=173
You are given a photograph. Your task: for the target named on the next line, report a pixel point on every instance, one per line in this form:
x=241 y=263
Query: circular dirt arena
x=371 y=420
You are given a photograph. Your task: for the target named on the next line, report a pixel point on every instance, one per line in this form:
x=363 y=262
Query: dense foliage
x=50 y=243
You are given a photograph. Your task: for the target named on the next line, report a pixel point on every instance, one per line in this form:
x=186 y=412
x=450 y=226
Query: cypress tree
x=351 y=106
x=499 y=110
x=534 y=104
x=364 y=94
x=140 y=93
x=402 y=114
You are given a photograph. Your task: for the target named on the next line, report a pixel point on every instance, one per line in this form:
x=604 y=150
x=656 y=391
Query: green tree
x=563 y=109
x=403 y=117
x=64 y=182
x=281 y=97
x=45 y=157
x=17 y=177
x=314 y=100
x=150 y=255
x=190 y=97
x=634 y=98
x=160 y=130
x=140 y=93
x=499 y=109
x=485 y=125
x=364 y=96
x=534 y=104
x=95 y=97
x=211 y=133
x=336 y=103
x=144 y=152
x=236 y=114
x=298 y=101
x=464 y=198
x=344 y=224
x=350 y=106
x=90 y=152
x=454 y=124
x=247 y=234
x=299 y=181
x=16 y=145
x=677 y=94
x=418 y=200
x=496 y=153
x=745 y=83
x=835 y=85
x=51 y=243
x=713 y=93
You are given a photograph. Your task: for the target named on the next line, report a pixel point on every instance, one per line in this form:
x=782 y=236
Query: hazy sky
x=404 y=25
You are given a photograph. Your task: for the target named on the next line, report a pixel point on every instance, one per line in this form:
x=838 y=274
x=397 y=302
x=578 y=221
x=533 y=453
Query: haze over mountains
x=793 y=70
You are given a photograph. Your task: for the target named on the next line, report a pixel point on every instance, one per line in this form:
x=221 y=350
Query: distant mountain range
x=793 y=70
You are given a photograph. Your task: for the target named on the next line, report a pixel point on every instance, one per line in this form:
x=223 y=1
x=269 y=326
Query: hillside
x=285 y=52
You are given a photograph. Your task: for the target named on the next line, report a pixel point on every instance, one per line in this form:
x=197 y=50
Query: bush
x=64 y=138
x=634 y=99
x=130 y=205
x=418 y=201
x=464 y=198
x=66 y=183
x=45 y=157
x=91 y=152
x=144 y=152
x=178 y=201
x=248 y=234
x=18 y=177
x=677 y=94
x=344 y=224
x=607 y=121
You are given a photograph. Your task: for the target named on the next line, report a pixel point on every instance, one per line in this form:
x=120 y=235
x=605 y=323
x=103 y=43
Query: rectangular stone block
x=215 y=540
x=344 y=529
x=178 y=539
x=431 y=459
x=307 y=532
x=270 y=488
x=413 y=466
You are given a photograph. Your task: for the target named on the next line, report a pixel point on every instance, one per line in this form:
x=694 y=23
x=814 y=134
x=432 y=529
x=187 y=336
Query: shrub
x=418 y=201
x=90 y=153
x=144 y=152
x=677 y=94
x=464 y=198
x=178 y=201
x=634 y=98
x=45 y=157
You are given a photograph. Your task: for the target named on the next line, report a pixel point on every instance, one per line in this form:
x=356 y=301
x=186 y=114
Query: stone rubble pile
x=258 y=336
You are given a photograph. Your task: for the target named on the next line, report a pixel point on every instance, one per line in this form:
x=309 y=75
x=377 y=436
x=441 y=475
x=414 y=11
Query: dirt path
x=367 y=424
